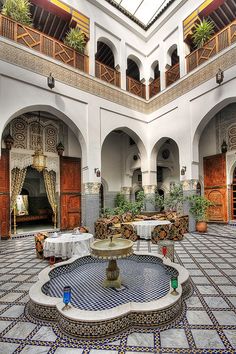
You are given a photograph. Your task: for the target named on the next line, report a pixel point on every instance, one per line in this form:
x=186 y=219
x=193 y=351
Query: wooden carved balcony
x=36 y=40
x=218 y=42
x=135 y=87
x=154 y=87
x=172 y=74
x=106 y=73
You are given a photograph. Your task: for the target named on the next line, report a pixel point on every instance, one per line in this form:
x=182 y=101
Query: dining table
x=144 y=228
x=66 y=245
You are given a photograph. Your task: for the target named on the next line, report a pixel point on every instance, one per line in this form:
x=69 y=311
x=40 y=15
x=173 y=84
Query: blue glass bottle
x=67 y=295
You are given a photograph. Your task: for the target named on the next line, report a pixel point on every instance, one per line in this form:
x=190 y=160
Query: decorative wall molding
x=14 y=54
x=92 y=188
x=149 y=189
x=24 y=159
x=190 y=185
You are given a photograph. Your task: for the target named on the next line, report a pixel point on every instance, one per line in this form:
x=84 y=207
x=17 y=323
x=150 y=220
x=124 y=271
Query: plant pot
x=201 y=226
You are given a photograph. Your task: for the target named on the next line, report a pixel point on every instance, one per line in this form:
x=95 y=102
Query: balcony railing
x=172 y=74
x=107 y=73
x=220 y=41
x=135 y=87
x=36 y=40
x=154 y=87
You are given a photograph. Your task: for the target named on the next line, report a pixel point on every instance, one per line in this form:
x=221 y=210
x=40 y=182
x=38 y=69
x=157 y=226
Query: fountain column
x=90 y=204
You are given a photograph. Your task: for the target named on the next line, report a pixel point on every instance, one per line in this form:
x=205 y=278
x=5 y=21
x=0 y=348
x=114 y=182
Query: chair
x=160 y=232
x=39 y=239
x=128 y=232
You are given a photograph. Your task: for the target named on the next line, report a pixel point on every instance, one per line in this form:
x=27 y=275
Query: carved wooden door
x=70 y=171
x=4 y=195
x=215 y=186
x=233 y=196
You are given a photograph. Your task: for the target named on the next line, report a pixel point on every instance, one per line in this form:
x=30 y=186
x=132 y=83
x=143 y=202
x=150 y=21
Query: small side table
x=170 y=248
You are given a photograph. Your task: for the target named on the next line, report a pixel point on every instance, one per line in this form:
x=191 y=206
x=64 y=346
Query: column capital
x=126 y=190
x=149 y=189
x=189 y=184
x=91 y=187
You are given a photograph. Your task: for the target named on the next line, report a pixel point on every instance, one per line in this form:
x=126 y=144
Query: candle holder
x=164 y=251
x=66 y=297
x=52 y=261
x=174 y=285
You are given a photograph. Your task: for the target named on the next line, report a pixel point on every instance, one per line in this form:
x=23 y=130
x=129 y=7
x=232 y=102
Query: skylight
x=144 y=10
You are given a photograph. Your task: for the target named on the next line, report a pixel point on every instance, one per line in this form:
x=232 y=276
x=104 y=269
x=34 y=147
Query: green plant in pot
x=199 y=209
x=75 y=39
x=18 y=10
x=202 y=32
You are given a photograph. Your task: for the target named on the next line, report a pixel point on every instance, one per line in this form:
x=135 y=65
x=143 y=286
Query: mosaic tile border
x=14 y=54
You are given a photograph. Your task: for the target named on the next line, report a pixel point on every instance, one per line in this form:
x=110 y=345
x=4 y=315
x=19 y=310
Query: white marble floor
x=207 y=326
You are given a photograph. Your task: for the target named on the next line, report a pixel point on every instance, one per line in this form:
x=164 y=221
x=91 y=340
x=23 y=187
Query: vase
x=201 y=226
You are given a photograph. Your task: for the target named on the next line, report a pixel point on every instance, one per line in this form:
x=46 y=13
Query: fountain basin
x=88 y=319
x=107 y=249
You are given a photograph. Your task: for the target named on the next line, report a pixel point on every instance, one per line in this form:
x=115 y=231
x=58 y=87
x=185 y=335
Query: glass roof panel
x=143 y=10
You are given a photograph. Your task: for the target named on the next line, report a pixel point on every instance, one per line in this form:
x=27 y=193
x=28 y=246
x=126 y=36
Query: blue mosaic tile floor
x=142 y=277
x=208 y=325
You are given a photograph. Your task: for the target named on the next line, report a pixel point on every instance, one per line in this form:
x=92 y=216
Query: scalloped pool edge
x=97 y=324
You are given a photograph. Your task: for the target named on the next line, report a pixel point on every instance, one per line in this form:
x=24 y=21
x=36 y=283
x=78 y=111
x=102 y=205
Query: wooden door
x=4 y=195
x=233 y=196
x=70 y=171
x=215 y=186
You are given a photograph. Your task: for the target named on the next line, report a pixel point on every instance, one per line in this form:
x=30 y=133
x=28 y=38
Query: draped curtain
x=17 y=181
x=50 y=185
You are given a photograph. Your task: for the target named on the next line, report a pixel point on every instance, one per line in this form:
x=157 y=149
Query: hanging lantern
x=39 y=160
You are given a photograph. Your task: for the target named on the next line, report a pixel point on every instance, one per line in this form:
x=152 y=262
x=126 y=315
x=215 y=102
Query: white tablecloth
x=144 y=228
x=67 y=245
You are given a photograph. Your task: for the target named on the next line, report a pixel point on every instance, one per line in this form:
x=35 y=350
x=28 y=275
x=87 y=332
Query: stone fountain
x=100 y=308
x=112 y=250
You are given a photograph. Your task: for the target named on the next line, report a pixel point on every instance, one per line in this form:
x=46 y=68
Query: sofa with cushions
x=116 y=224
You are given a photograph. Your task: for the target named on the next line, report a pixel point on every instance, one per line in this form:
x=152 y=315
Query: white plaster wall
x=111 y=169
x=207 y=143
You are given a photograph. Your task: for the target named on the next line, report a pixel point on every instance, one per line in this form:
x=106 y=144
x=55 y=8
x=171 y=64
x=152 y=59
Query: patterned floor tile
x=207 y=339
x=198 y=318
x=174 y=338
x=209 y=324
x=20 y=330
x=215 y=302
x=141 y=339
x=225 y=317
x=33 y=349
x=231 y=335
x=8 y=348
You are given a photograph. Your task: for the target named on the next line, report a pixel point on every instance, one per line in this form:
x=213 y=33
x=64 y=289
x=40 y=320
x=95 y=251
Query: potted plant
x=198 y=208
x=75 y=39
x=18 y=10
x=202 y=32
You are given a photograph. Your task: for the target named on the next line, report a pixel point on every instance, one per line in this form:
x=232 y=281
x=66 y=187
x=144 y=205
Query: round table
x=67 y=245
x=144 y=228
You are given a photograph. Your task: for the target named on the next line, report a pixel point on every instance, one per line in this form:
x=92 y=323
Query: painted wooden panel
x=4 y=195
x=215 y=186
x=70 y=192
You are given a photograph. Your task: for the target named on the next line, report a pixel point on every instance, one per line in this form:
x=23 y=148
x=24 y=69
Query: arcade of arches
x=123 y=169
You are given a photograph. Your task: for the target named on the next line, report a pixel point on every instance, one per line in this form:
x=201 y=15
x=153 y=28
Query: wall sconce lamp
x=224 y=147
x=97 y=172
x=117 y=67
x=183 y=170
x=219 y=76
x=51 y=81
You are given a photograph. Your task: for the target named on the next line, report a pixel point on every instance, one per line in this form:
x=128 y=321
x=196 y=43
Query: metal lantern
x=39 y=160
